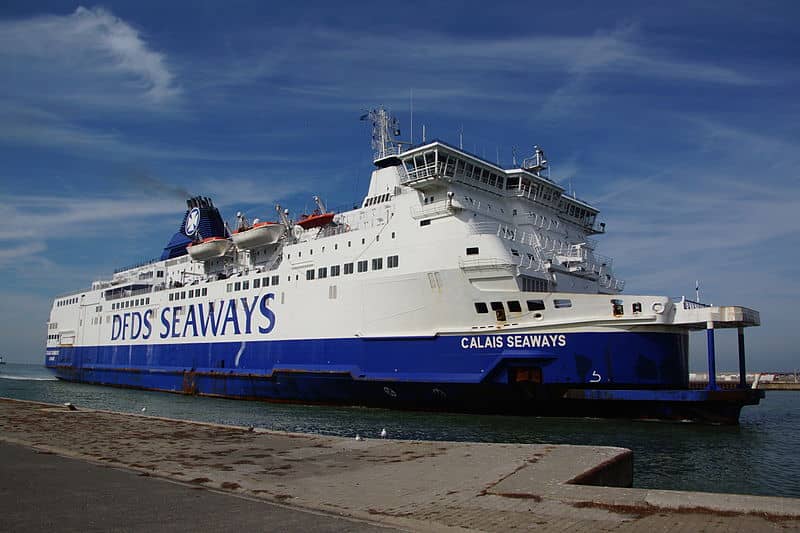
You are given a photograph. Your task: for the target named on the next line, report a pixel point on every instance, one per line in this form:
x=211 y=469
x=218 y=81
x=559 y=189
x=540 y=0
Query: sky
x=680 y=121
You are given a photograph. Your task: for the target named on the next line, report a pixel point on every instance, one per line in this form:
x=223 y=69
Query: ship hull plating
x=597 y=374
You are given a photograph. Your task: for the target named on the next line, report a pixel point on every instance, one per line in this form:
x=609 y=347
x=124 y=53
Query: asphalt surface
x=44 y=492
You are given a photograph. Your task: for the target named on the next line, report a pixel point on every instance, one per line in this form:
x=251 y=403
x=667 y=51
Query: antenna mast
x=384 y=130
x=412 y=116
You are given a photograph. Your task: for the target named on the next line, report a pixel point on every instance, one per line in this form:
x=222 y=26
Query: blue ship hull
x=625 y=374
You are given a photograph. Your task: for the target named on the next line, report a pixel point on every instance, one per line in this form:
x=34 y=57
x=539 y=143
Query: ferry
x=456 y=285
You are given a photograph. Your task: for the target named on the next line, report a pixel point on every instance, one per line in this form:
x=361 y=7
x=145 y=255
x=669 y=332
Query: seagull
x=251 y=428
x=71 y=407
x=144 y=409
x=383 y=433
x=358 y=437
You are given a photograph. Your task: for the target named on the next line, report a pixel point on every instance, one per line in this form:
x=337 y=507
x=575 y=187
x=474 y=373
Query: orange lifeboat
x=320 y=217
x=315 y=219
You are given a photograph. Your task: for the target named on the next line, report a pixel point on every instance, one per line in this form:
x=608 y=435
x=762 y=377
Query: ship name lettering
x=513 y=341
x=223 y=317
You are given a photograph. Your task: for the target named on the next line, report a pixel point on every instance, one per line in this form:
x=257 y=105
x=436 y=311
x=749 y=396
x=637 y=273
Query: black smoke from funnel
x=144 y=181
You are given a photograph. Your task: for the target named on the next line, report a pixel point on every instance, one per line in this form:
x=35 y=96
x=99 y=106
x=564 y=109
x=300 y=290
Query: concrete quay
x=344 y=484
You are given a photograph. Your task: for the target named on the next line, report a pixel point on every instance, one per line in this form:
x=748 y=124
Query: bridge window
x=514 y=307
x=480 y=307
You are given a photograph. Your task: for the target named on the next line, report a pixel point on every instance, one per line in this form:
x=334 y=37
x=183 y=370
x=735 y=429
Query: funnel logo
x=192 y=221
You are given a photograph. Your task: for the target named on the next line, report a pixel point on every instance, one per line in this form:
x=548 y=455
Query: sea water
x=756 y=457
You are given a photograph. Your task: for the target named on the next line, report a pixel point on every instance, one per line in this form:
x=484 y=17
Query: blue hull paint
x=638 y=359
x=469 y=373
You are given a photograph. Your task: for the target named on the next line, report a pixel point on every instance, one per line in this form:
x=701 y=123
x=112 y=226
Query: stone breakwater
x=418 y=485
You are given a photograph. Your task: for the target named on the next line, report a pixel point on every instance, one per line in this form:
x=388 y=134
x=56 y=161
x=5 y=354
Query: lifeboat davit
x=259 y=234
x=315 y=220
x=209 y=248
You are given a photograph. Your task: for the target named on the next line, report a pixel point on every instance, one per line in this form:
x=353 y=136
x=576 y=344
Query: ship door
x=80 y=330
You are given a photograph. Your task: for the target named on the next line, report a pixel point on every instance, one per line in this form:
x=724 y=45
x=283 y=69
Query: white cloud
x=89 y=56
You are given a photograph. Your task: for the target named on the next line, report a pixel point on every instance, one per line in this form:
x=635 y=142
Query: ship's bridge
x=435 y=164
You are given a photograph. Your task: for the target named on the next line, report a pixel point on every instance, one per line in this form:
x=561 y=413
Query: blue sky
x=679 y=121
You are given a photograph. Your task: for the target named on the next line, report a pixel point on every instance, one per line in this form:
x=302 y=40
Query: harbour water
x=757 y=457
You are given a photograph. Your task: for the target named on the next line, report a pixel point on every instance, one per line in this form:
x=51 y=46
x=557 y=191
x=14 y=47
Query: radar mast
x=385 y=128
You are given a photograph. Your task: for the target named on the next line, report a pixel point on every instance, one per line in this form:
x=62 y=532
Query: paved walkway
x=410 y=485
x=45 y=492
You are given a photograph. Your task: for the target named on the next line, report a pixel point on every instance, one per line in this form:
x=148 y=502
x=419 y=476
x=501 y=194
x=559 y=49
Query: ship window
x=336 y=246
x=426 y=222
x=229 y=287
x=265 y=281
x=299 y=254
x=160 y=274
x=392 y=235
x=480 y=307
x=257 y=283
x=311 y=252
x=348 y=268
x=332 y=292
x=310 y=274
x=363 y=240
x=560 y=304
x=237 y=286
x=377 y=238
x=335 y=270
x=637 y=307
x=246 y=284
x=349 y=243
x=514 y=307
x=148 y=300
x=392 y=261
x=274 y=280
x=535 y=305
x=183 y=295
x=377 y=263
x=322 y=272
x=191 y=293
x=499 y=311
x=473 y=250
x=514 y=252
x=362 y=266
